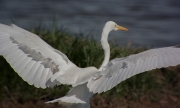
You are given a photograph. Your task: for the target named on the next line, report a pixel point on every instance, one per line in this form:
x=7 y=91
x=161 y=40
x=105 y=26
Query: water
x=154 y=23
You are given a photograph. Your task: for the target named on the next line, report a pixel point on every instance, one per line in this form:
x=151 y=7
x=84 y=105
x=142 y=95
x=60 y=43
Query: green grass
x=83 y=52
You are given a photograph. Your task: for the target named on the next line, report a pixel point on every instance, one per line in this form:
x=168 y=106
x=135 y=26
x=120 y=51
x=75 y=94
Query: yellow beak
x=122 y=28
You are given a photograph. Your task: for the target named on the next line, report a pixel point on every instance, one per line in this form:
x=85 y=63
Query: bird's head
x=110 y=25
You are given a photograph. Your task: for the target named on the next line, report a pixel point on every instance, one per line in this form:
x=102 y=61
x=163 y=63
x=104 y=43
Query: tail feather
x=68 y=99
x=77 y=97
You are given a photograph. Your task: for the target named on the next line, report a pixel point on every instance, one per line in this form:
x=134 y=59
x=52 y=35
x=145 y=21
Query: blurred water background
x=153 y=23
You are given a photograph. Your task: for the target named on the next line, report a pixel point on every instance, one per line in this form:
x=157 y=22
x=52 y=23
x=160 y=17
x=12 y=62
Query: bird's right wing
x=32 y=58
x=120 y=69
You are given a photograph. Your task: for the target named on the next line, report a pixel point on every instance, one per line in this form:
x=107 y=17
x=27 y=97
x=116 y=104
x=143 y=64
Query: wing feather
x=130 y=72
x=42 y=80
x=5 y=46
x=115 y=77
x=18 y=63
x=3 y=42
x=150 y=63
x=8 y=49
x=38 y=76
x=175 y=56
x=3 y=39
x=22 y=65
x=126 y=73
x=16 y=58
x=27 y=68
x=31 y=57
x=10 y=53
x=120 y=69
x=161 y=61
x=32 y=73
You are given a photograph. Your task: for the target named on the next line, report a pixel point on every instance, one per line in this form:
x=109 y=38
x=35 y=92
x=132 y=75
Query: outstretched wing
x=120 y=69
x=32 y=58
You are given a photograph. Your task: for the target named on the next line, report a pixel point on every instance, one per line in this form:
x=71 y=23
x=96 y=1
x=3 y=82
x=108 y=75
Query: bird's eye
x=114 y=25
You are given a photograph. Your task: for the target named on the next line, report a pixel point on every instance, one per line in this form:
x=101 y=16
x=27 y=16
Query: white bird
x=43 y=66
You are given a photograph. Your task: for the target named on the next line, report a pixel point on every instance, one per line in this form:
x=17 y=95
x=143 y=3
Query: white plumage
x=43 y=66
x=120 y=69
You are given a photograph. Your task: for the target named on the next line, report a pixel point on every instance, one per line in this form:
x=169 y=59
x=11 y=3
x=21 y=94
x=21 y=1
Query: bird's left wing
x=31 y=57
x=120 y=69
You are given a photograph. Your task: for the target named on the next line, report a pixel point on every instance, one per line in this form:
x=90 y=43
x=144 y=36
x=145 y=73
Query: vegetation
x=88 y=52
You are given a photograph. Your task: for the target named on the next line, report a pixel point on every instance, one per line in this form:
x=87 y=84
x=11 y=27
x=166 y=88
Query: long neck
x=105 y=45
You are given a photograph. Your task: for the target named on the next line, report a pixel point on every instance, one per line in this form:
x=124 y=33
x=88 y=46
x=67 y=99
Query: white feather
x=42 y=80
x=38 y=76
x=32 y=73
x=17 y=64
x=15 y=58
x=138 y=63
x=27 y=69
x=9 y=54
x=22 y=65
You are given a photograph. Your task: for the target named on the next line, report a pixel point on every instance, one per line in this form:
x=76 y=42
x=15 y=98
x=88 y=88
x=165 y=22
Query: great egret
x=43 y=66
